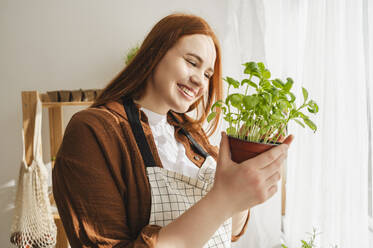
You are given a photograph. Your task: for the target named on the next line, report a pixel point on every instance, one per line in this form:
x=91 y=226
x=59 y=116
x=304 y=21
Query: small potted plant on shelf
x=131 y=53
x=257 y=121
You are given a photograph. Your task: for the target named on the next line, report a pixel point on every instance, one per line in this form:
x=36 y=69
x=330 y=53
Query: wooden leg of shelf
x=55 y=129
x=29 y=100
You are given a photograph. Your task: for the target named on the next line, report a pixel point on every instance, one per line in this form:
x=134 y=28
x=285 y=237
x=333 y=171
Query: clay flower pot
x=65 y=95
x=242 y=150
x=76 y=95
x=89 y=95
x=54 y=96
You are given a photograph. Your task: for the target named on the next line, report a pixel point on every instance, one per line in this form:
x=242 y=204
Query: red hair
x=131 y=81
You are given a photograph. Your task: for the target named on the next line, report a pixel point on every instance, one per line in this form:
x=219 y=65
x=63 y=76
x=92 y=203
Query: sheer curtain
x=325 y=46
x=243 y=42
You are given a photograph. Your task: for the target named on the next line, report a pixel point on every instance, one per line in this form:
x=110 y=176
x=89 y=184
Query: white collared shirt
x=171 y=152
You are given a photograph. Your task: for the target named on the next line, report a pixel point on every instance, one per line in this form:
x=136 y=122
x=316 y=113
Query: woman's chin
x=181 y=108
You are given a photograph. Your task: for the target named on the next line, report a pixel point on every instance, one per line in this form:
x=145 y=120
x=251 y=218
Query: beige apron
x=173 y=193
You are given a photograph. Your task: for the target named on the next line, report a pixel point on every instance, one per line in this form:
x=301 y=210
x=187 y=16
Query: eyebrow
x=200 y=60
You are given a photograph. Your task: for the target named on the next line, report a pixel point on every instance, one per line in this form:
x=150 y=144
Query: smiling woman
x=169 y=42
x=134 y=170
x=182 y=76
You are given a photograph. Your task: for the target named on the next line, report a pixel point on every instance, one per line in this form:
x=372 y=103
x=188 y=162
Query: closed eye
x=192 y=63
x=195 y=64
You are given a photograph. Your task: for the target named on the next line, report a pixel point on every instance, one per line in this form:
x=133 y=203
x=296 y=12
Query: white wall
x=51 y=45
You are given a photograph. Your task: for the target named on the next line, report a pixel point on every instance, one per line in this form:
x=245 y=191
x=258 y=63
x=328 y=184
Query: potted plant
x=131 y=54
x=258 y=120
x=311 y=243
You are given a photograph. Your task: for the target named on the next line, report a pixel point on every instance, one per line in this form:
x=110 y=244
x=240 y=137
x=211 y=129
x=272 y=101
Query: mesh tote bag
x=33 y=224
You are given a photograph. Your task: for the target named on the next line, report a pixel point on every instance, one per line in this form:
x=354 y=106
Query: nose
x=198 y=79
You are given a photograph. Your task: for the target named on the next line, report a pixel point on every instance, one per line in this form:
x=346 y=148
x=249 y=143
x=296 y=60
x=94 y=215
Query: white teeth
x=186 y=90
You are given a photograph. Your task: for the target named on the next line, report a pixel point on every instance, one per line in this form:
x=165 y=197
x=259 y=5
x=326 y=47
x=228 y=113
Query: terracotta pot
x=98 y=92
x=76 y=95
x=89 y=95
x=54 y=96
x=65 y=95
x=242 y=150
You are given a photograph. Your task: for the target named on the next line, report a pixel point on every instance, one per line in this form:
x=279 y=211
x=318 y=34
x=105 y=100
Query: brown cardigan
x=99 y=208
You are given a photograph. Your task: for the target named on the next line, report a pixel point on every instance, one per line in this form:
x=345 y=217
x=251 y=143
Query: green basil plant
x=262 y=116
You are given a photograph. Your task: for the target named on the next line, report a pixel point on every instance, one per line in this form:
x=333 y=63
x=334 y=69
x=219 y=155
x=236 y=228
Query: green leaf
x=131 y=54
x=289 y=84
x=282 y=105
x=277 y=116
x=249 y=82
x=313 y=107
x=265 y=84
x=250 y=101
x=310 y=124
x=292 y=97
x=251 y=68
x=304 y=242
x=266 y=74
x=267 y=97
x=261 y=66
x=301 y=115
x=305 y=94
x=263 y=110
x=236 y=100
x=211 y=116
x=231 y=131
x=219 y=104
x=299 y=122
x=232 y=82
x=278 y=83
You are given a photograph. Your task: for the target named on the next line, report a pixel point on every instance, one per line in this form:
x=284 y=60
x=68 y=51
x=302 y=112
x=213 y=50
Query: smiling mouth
x=186 y=91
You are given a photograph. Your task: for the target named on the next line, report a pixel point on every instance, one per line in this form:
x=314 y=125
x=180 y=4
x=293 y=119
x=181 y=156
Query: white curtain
x=326 y=47
x=244 y=42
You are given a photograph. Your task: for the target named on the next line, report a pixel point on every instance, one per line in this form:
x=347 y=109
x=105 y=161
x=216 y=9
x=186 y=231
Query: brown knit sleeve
x=89 y=191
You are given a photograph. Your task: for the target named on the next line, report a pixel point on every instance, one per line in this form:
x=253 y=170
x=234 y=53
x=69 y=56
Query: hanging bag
x=33 y=224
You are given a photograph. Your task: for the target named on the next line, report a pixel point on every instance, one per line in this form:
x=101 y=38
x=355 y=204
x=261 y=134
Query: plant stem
x=229 y=109
x=268 y=134
x=247 y=87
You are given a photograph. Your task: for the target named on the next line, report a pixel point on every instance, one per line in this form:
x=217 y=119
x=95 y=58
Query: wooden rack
x=29 y=99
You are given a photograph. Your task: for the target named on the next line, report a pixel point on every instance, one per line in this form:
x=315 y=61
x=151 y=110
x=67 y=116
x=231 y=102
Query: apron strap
x=138 y=132
x=199 y=149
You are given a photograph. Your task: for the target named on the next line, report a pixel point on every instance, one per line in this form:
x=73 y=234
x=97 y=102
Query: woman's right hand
x=241 y=186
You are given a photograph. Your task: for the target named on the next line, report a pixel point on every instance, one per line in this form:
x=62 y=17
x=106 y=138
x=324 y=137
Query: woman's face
x=182 y=76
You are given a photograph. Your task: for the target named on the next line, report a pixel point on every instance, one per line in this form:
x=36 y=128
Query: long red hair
x=131 y=81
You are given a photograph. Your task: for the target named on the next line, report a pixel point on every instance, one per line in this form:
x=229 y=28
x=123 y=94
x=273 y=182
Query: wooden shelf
x=58 y=104
x=44 y=98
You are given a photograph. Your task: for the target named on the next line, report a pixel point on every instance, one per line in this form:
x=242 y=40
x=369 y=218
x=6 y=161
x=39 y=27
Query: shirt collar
x=153 y=117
